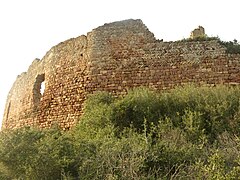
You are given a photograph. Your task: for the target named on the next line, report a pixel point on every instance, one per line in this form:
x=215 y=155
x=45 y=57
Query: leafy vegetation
x=232 y=47
x=199 y=38
x=185 y=133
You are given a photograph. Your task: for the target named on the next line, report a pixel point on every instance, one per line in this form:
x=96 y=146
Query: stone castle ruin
x=114 y=57
x=198 y=32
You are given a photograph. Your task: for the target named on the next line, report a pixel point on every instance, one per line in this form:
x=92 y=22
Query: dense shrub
x=233 y=47
x=29 y=153
x=212 y=110
x=136 y=107
x=185 y=133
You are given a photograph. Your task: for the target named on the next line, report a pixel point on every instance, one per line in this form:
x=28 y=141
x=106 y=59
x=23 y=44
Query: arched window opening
x=38 y=89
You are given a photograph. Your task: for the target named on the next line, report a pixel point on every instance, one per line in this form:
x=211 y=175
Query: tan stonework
x=115 y=57
x=198 y=32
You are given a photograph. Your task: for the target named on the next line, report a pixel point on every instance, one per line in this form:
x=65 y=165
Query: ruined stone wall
x=114 y=57
x=63 y=69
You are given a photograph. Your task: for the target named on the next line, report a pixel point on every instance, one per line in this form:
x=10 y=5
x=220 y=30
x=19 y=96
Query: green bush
x=185 y=133
x=18 y=149
x=233 y=47
x=29 y=153
x=137 y=106
x=212 y=109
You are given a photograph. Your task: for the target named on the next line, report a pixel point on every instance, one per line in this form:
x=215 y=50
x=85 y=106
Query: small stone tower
x=198 y=32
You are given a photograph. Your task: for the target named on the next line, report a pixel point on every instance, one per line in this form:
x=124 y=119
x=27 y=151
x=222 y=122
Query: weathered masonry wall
x=63 y=69
x=114 y=57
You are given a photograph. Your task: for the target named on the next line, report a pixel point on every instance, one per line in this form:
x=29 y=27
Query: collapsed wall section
x=114 y=57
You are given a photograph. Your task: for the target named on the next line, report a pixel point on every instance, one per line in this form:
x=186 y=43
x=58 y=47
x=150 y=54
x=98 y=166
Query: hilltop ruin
x=114 y=57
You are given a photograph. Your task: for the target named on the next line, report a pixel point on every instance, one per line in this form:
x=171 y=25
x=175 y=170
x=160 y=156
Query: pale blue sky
x=29 y=28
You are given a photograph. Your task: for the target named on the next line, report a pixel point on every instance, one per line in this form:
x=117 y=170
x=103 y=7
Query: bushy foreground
x=186 y=133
